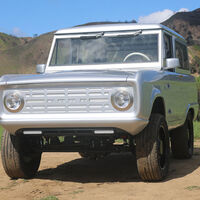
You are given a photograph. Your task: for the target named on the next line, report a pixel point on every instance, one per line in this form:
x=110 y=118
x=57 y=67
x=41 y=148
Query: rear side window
x=168 y=46
x=181 y=53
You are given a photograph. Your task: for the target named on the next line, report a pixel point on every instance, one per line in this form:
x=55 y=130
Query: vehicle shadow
x=182 y=167
x=114 y=168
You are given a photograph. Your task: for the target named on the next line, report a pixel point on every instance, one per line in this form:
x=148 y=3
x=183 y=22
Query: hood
x=70 y=76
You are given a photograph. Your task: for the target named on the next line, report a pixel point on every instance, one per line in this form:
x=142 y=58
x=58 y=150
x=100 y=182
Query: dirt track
x=67 y=176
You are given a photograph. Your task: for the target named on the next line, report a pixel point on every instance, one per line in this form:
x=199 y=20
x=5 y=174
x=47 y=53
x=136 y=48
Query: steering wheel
x=136 y=53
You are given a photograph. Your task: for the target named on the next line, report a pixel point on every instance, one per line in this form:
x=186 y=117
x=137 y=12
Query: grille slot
x=68 y=100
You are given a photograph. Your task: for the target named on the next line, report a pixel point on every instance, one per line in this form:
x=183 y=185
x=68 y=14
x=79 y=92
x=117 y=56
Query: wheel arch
x=158 y=106
x=191 y=110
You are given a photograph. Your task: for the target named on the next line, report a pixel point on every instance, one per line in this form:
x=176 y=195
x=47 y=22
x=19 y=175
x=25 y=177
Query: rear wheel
x=18 y=157
x=152 y=149
x=182 y=139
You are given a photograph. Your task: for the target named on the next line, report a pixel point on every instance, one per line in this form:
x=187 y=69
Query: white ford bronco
x=102 y=83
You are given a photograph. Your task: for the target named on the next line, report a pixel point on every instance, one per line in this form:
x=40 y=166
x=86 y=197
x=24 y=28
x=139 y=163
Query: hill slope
x=8 y=41
x=187 y=24
x=20 y=55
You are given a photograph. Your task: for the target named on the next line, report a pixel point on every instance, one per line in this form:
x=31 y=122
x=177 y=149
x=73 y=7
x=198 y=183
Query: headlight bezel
x=16 y=95
x=123 y=92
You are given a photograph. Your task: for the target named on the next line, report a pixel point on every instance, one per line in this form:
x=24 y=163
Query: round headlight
x=122 y=100
x=13 y=102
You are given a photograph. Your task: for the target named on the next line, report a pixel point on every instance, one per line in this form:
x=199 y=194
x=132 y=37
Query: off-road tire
x=152 y=150
x=182 y=139
x=17 y=158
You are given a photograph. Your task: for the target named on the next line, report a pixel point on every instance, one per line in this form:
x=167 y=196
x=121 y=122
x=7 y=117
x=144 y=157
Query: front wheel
x=18 y=156
x=152 y=149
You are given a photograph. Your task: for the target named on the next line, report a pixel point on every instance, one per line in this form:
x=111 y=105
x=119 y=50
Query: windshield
x=141 y=48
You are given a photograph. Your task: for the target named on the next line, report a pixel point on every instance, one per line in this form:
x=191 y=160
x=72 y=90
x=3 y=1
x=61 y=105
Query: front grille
x=68 y=100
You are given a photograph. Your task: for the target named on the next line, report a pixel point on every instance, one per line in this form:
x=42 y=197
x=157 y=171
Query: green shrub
x=197 y=47
x=197 y=130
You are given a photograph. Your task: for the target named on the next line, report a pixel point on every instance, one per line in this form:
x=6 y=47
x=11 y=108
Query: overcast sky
x=29 y=17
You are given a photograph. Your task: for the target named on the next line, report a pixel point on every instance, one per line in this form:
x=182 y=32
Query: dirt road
x=67 y=176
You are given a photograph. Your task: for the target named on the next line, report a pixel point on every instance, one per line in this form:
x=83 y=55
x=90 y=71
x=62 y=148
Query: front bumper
x=124 y=121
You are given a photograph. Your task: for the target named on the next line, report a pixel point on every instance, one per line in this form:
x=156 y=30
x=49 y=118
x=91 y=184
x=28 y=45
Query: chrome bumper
x=124 y=121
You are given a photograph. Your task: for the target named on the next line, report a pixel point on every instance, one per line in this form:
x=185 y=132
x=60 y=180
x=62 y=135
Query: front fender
x=149 y=94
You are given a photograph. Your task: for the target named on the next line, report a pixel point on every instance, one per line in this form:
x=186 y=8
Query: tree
x=196 y=63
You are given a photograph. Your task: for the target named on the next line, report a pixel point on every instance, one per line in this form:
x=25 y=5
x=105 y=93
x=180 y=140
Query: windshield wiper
x=133 y=34
x=96 y=36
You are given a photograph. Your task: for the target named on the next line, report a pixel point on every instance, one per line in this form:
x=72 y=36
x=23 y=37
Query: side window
x=168 y=46
x=181 y=53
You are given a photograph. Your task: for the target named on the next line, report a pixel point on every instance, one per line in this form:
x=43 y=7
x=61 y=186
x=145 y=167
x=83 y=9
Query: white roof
x=114 y=27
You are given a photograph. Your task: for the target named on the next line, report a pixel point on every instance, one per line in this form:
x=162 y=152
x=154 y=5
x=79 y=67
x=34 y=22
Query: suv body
x=102 y=83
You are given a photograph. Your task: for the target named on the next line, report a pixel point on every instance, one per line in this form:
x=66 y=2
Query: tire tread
x=146 y=151
x=11 y=158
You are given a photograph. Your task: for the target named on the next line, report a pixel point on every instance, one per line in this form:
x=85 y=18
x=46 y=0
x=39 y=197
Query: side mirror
x=172 y=63
x=40 y=69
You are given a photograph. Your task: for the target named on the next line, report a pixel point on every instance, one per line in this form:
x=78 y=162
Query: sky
x=30 y=17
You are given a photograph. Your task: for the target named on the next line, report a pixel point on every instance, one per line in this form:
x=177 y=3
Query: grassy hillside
x=194 y=55
x=187 y=24
x=9 y=41
x=20 y=55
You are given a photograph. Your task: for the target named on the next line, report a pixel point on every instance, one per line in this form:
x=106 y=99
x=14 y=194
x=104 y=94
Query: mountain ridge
x=187 y=24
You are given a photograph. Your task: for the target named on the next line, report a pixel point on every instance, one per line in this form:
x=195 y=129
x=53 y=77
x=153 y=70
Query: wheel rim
x=162 y=150
x=27 y=159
